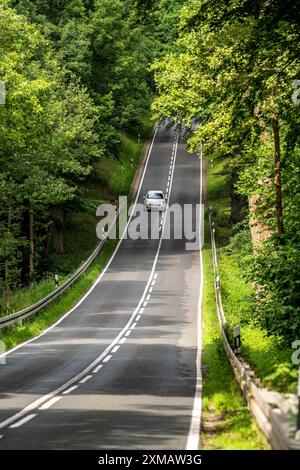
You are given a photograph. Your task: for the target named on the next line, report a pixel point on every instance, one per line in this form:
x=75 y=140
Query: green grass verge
x=110 y=178
x=226 y=422
x=270 y=359
x=35 y=325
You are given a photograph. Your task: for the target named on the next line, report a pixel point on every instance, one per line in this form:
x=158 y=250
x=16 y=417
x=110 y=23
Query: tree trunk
x=277 y=177
x=49 y=239
x=7 y=264
x=237 y=202
x=31 y=243
x=58 y=240
x=258 y=227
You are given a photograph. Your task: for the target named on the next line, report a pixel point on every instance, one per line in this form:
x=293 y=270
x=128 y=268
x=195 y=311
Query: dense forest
x=80 y=72
x=234 y=68
x=77 y=76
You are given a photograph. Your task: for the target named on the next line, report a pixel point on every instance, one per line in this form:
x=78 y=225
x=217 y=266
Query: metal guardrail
x=21 y=315
x=274 y=412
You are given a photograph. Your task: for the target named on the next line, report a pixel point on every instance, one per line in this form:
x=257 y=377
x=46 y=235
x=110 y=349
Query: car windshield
x=155 y=195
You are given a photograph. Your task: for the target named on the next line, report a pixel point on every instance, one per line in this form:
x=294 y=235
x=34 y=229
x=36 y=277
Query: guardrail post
x=298 y=416
x=237 y=339
x=2 y=350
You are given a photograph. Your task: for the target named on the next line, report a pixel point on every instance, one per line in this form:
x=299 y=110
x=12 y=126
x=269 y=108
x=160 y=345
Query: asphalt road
x=120 y=370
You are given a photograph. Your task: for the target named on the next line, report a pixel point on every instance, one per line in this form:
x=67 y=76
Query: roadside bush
x=275 y=269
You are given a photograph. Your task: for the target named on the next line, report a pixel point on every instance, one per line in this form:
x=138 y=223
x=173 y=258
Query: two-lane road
x=119 y=371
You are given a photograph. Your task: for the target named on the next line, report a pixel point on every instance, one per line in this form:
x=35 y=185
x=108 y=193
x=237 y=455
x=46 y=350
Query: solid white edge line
x=103 y=357
x=102 y=273
x=193 y=439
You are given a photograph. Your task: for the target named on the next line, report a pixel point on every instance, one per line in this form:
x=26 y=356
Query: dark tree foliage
x=77 y=74
x=235 y=68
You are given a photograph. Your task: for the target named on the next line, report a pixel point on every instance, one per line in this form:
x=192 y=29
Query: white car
x=155 y=200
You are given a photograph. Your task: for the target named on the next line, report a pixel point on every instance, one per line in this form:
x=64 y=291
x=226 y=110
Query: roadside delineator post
x=56 y=280
x=2 y=92
x=237 y=339
x=298 y=416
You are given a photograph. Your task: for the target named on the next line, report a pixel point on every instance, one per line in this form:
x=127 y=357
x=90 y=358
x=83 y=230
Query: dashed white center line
x=107 y=358
x=133 y=325
x=145 y=304
x=97 y=369
x=138 y=317
x=69 y=390
x=148 y=297
x=115 y=349
x=123 y=340
x=128 y=333
x=142 y=310
x=49 y=403
x=151 y=289
x=155 y=276
x=23 y=421
x=85 y=379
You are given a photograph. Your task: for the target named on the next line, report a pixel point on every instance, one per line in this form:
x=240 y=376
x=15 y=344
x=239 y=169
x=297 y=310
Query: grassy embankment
x=226 y=422
x=269 y=357
x=110 y=178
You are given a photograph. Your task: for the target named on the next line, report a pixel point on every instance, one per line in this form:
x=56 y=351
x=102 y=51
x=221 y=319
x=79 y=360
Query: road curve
x=120 y=370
